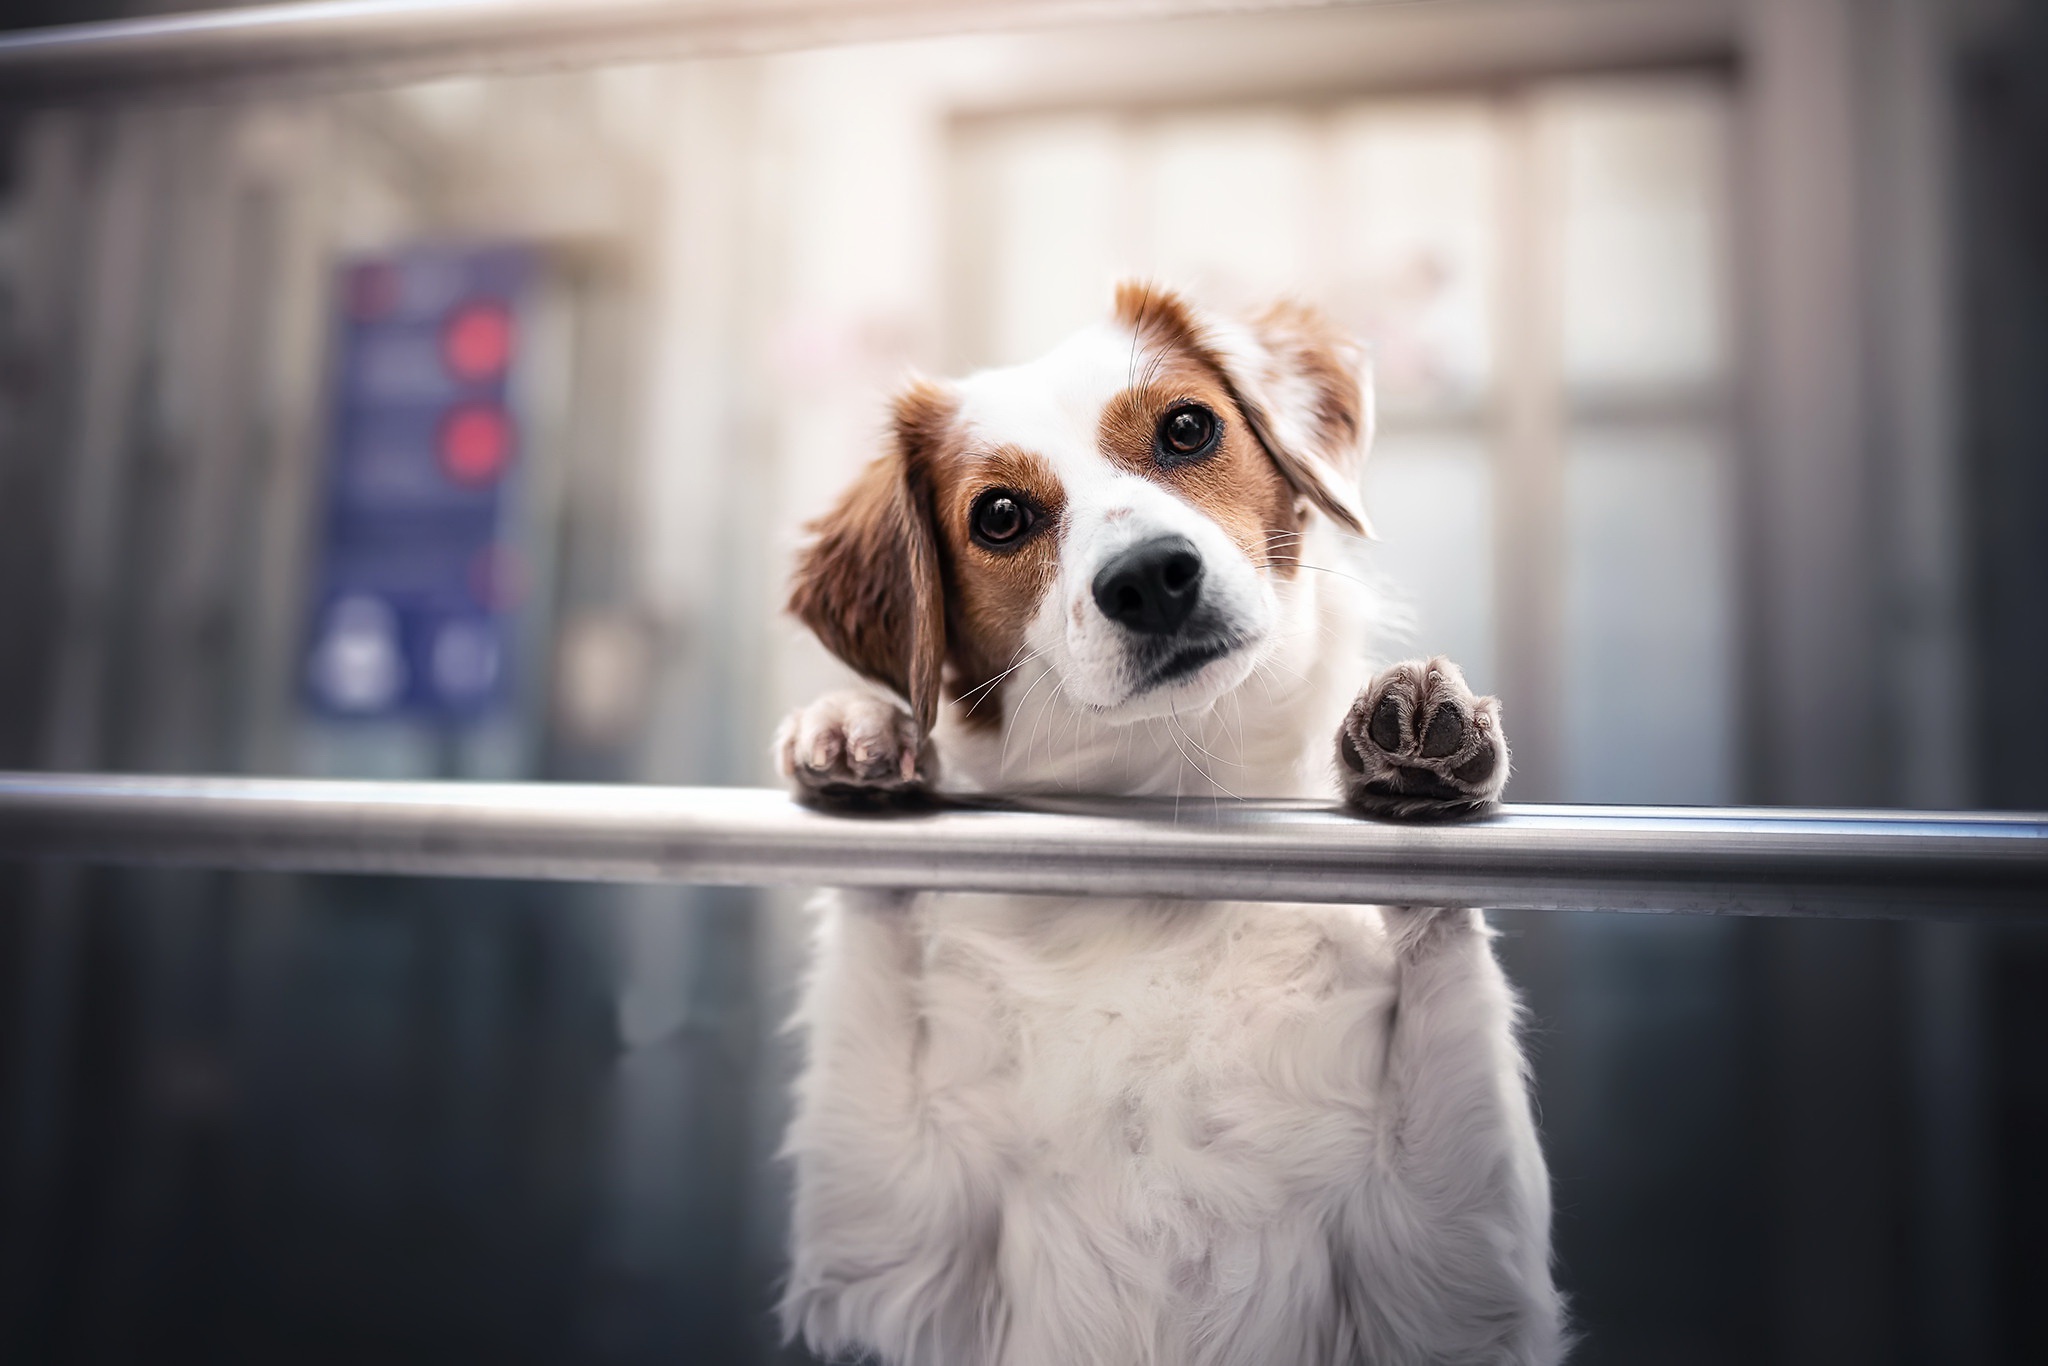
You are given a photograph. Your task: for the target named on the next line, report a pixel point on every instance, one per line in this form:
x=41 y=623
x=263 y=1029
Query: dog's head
x=1126 y=508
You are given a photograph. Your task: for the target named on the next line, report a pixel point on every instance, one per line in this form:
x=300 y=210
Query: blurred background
x=460 y=425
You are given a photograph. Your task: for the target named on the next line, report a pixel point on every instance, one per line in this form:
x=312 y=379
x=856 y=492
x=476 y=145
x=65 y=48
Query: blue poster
x=418 y=577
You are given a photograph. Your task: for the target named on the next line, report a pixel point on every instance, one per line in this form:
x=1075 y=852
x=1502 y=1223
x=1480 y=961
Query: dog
x=1033 y=1131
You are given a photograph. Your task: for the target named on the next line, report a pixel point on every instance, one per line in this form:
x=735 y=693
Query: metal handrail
x=411 y=39
x=1727 y=861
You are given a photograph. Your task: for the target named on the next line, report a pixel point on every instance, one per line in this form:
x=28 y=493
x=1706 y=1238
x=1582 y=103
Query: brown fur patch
x=1160 y=318
x=1300 y=343
x=992 y=594
x=1237 y=485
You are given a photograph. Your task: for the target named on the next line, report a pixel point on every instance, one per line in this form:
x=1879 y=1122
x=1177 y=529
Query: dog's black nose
x=1152 y=587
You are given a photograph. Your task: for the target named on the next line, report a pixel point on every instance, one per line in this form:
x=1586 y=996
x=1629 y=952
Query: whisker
x=1052 y=737
x=1189 y=736
x=1276 y=664
x=1031 y=745
x=1174 y=724
x=1330 y=530
x=1094 y=730
x=1035 y=654
x=1003 y=764
x=1215 y=802
x=1074 y=730
x=1322 y=569
x=1153 y=366
x=1237 y=714
x=1178 y=775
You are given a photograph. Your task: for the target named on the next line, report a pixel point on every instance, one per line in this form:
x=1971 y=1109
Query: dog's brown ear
x=1303 y=385
x=868 y=582
x=1306 y=388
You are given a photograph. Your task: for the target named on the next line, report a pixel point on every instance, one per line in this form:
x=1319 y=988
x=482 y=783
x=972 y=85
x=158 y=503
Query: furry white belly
x=1125 y=1135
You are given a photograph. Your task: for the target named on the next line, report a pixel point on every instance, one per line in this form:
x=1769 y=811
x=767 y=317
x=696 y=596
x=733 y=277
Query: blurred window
x=1417 y=268
x=1648 y=623
x=1641 y=208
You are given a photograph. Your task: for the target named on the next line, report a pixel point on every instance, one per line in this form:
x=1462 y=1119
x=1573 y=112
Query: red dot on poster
x=476 y=444
x=478 y=341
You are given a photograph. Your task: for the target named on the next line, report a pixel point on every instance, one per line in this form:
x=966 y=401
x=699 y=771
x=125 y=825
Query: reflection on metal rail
x=1766 y=862
x=403 y=39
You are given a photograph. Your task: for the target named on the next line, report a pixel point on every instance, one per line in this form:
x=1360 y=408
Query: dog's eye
x=1000 y=518
x=1187 y=432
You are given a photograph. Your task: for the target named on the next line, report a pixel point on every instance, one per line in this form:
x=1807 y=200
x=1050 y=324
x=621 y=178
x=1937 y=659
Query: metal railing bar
x=1720 y=861
x=413 y=39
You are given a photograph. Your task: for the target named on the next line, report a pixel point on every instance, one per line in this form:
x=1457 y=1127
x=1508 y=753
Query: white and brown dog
x=1046 y=1132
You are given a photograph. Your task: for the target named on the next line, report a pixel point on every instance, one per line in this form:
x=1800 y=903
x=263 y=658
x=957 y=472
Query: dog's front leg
x=1468 y=1259
x=1459 y=1259
x=893 y=1224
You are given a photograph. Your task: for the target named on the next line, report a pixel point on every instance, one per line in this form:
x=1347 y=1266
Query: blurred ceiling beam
x=357 y=42
x=1345 y=52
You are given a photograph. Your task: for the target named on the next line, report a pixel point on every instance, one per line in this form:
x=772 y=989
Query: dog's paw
x=854 y=747
x=1417 y=743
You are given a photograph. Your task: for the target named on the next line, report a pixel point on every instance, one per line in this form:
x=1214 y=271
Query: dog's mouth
x=1183 y=660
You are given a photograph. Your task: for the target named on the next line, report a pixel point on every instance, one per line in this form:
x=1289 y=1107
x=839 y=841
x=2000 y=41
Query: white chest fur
x=1165 y=1098
x=1041 y=1131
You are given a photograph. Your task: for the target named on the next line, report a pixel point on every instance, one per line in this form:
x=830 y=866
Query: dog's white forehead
x=1053 y=406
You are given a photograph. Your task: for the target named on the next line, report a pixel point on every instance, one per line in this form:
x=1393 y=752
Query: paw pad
x=1387 y=722
x=1445 y=734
